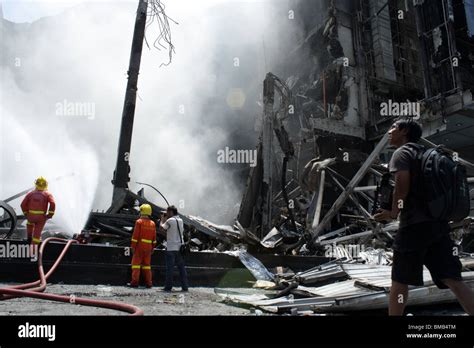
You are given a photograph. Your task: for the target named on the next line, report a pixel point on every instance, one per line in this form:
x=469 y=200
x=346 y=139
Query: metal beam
x=319 y=202
x=267 y=153
x=349 y=237
x=354 y=200
x=122 y=168
x=334 y=233
x=350 y=188
x=363 y=195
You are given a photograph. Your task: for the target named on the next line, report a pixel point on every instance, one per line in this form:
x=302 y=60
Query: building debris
x=255 y=267
x=344 y=286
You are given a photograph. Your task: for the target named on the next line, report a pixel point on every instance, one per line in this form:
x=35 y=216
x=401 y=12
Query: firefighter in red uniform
x=143 y=243
x=35 y=208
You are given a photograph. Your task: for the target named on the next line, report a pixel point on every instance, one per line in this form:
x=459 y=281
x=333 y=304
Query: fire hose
x=35 y=289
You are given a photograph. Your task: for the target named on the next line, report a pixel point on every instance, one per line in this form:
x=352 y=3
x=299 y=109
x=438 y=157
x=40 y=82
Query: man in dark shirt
x=421 y=239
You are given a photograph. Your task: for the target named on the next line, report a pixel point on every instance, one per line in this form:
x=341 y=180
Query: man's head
x=404 y=131
x=171 y=211
x=41 y=184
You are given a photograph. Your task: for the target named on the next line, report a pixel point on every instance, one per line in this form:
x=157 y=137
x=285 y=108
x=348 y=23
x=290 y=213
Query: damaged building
x=358 y=66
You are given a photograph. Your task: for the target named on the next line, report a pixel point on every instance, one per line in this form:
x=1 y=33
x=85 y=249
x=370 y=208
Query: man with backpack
x=173 y=225
x=423 y=235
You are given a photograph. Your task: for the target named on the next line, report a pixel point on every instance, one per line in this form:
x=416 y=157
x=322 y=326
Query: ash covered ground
x=197 y=302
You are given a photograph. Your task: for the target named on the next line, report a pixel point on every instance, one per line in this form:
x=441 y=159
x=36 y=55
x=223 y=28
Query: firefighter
x=143 y=244
x=35 y=209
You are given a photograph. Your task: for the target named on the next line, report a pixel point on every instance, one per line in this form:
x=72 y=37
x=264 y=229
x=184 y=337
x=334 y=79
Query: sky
x=21 y=11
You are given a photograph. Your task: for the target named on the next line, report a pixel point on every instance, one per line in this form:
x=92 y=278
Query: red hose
x=40 y=269
x=36 y=291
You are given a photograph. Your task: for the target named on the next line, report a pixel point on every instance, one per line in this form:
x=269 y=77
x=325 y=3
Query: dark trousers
x=175 y=258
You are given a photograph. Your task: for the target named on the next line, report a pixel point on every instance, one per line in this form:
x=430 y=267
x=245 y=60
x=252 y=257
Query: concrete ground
x=198 y=301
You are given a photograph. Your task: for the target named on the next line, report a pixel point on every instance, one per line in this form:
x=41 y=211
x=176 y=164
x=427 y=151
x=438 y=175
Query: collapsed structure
x=360 y=67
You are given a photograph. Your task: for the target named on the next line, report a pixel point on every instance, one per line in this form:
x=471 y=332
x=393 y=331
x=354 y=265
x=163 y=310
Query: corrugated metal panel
x=417 y=296
x=428 y=281
x=317 y=271
x=345 y=288
x=374 y=273
x=367 y=271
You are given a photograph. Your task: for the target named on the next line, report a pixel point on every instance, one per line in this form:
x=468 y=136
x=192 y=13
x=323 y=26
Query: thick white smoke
x=63 y=83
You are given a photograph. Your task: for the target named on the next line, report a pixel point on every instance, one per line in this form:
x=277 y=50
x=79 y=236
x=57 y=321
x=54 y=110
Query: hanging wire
x=156 y=14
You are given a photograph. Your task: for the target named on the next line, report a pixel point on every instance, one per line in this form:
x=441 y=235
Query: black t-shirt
x=414 y=209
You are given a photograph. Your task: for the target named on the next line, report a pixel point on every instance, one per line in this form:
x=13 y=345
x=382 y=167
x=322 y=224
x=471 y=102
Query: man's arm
x=24 y=204
x=400 y=193
x=163 y=226
x=52 y=206
x=154 y=236
x=136 y=235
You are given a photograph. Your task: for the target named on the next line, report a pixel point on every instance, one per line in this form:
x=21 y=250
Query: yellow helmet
x=41 y=183
x=145 y=209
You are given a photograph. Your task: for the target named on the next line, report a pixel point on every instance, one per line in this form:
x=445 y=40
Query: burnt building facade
x=355 y=68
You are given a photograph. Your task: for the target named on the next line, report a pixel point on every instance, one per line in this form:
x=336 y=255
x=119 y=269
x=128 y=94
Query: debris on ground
x=342 y=286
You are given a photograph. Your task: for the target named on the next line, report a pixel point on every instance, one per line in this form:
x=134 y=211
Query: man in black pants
x=421 y=240
x=174 y=228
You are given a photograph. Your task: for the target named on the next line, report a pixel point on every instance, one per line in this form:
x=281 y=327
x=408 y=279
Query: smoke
x=70 y=166
x=63 y=83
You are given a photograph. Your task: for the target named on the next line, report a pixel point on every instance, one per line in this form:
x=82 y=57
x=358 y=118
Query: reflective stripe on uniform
x=50 y=211
x=146 y=267
x=135 y=266
x=148 y=241
x=29 y=223
x=36 y=240
x=36 y=212
x=134 y=240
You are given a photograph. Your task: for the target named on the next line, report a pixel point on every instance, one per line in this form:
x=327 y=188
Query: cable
x=154 y=188
x=156 y=13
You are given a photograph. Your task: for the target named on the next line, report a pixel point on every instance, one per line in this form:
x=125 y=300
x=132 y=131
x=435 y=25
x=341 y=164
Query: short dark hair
x=173 y=209
x=414 y=129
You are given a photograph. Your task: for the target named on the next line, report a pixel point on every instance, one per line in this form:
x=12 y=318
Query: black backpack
x=443 y=184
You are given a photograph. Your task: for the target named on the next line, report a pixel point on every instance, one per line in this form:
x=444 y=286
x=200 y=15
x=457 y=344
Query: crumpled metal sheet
x=272 y=239
x=258 y=270
x=373 y=256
